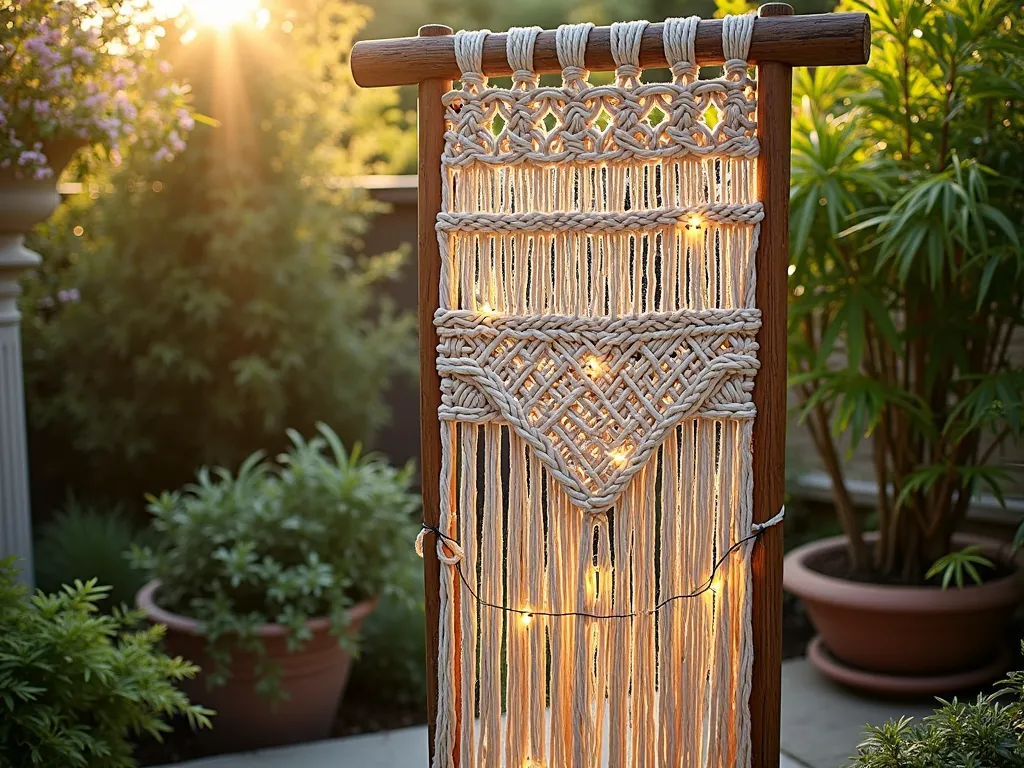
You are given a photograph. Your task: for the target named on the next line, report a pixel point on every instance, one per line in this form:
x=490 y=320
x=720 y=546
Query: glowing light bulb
x=619 y=455
x=525 y=619
x=594 y=367
x=694 y=221
x=716 y=584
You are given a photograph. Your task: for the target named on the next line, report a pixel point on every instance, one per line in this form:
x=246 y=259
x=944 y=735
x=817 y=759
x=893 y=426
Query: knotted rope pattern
x=597 y=354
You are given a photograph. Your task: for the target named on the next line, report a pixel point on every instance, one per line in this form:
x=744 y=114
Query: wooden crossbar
x=812 y=40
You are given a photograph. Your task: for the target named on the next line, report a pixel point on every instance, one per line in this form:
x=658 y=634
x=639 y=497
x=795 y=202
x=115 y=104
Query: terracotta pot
x=903 y=632
x=314 y=679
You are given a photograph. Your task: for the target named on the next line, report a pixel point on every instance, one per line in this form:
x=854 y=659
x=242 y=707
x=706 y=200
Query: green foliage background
x=223 y=297
x=85 y=543
x=397 y=18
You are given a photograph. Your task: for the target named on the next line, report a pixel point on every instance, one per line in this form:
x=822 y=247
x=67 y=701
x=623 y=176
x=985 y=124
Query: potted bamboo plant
x=907 y=284
x=265 y=576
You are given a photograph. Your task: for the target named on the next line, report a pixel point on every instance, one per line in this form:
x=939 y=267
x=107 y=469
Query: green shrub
x=81 y=543
x=76 y=685
x=308 y=536
x=988 y=733
x=194 y=310
x=390 y=670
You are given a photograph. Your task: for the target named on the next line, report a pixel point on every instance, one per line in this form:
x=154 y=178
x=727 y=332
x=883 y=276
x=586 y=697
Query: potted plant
x=265 y=576
x=906 y=289
x=77 y=685
x=76 y=73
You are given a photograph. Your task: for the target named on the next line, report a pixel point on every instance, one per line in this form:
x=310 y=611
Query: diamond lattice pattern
x=596 y=396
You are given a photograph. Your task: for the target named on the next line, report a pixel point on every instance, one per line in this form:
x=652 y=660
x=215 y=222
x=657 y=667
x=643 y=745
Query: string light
x=715 y=585
x=526 y=614
x=694 y=221
x=619 y=455
x=594 y=367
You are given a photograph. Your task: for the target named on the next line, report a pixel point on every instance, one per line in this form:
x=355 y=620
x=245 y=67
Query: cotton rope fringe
x=597 y=355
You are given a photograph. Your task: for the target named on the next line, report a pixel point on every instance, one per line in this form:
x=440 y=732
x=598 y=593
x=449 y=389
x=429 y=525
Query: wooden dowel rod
x=774 y=115
x=430 y=127
x=813 y=40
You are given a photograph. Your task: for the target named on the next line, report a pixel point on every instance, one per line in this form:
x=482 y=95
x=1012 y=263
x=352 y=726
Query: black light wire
x=706 y=585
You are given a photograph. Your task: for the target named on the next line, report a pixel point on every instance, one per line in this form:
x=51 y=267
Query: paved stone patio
x=821 y=727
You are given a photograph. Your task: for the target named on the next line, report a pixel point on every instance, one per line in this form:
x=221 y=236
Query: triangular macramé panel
x=595 y=396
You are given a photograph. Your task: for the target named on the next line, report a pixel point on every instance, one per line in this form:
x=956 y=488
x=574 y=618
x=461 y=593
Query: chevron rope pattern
x=594 y=397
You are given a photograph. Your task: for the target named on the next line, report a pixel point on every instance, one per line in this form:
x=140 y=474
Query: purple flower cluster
x=79 y=70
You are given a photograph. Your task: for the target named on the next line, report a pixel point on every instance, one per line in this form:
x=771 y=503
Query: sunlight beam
x=217 y=14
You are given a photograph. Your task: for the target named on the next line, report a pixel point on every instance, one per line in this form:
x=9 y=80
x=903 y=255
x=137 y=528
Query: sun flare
x=218 y=14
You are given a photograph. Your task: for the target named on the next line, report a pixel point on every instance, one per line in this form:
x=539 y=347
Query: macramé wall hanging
x=602 y=317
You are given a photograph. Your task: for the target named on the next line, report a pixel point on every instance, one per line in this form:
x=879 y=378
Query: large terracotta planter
x=314 y=679
x=904 y=640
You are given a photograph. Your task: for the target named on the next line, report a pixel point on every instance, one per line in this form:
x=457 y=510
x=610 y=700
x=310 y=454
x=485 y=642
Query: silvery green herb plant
x=307 y=536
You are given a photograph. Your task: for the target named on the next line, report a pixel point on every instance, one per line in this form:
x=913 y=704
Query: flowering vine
x=85 y=72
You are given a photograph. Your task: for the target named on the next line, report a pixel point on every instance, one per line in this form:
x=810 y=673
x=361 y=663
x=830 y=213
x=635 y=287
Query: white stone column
x=15 y=514
x=23 y=204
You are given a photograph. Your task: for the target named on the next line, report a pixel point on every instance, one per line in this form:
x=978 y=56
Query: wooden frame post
x=774 y=116
x=430 y=137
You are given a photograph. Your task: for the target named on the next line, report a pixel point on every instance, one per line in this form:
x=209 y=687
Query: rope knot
x=469 y=55
x=626 y=38
x=449 y=551
x=759 y=528
x=472 y=81
x=628 y=71
x=571 y=46
x=524 y=77
x=683 y=69
x=519 y=45
x=576 y=76
x=736 y=69
x=678 y=35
